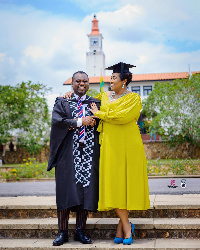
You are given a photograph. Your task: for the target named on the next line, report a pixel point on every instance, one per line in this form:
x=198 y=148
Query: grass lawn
x=11 y=165
x=160 y=167
x=29 y=169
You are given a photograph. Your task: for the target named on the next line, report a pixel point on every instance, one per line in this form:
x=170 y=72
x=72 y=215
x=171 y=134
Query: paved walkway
x=156 y=186
x=156 y=244
x=185 y=201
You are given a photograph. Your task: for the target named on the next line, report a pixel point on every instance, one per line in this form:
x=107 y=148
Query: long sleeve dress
x=123 y=181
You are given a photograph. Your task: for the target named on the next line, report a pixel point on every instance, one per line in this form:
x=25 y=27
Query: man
x=74 y=152
x=152 y=131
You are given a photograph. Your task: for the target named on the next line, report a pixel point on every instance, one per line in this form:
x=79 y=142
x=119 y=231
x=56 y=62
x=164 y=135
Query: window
x=135 y=89
x=147 y=90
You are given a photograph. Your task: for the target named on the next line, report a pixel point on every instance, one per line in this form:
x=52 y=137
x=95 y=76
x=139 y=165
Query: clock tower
x=95 y=58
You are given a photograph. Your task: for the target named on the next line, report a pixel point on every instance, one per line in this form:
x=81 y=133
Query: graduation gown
x=76 y=171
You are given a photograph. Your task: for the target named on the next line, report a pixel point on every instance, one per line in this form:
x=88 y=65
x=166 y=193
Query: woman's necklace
x=113 y=94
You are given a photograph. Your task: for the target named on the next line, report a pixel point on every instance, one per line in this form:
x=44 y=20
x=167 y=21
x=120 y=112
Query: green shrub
x=163 y=167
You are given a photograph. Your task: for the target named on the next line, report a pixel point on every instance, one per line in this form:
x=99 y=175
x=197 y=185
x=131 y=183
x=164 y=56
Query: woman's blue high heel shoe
x=129 y=241
x=118 y=240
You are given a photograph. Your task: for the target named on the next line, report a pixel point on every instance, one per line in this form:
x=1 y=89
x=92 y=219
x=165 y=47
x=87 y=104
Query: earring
x=123 y=86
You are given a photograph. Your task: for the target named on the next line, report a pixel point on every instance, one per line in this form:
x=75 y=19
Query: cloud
x=96 y=6
x=150 y=38
x=178 y=19
x=156 y=36
x=2 y=55
x=151 y=58
x=153 y=21
x=41 y=47
x=125 y=24
x=34 y=52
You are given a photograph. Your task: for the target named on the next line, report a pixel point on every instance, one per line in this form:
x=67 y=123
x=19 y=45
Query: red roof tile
x=140 y=77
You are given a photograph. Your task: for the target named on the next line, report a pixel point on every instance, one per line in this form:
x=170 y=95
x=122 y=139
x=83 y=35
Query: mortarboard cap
x=121 y=67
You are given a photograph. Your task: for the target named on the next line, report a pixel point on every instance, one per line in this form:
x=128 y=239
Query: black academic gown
x=77 y=180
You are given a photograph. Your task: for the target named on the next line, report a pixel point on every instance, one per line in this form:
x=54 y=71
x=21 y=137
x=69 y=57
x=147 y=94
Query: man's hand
x=89 y=120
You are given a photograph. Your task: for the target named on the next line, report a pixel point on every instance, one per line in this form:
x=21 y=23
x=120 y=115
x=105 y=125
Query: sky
x=46 y=40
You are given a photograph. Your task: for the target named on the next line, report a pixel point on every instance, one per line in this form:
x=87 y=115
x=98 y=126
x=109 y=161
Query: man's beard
x=83 y=92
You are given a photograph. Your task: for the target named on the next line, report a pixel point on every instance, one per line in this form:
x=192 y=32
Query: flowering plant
x=174 y=110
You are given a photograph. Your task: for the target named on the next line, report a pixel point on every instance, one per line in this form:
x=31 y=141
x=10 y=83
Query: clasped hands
x=88 y=120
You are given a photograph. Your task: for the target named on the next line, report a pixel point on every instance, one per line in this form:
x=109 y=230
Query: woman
x=123 y=183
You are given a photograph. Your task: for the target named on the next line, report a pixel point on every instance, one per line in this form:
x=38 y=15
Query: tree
x=92 y=92
x=174 y=109
x=24 y=114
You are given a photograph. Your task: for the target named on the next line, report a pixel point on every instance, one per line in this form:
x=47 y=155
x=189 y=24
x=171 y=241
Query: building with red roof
x=141 y=83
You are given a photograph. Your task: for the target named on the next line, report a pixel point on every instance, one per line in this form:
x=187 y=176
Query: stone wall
x=153 y=150
x=20 y=154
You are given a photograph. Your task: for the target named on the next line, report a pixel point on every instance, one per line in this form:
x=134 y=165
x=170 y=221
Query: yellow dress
x=123 y=181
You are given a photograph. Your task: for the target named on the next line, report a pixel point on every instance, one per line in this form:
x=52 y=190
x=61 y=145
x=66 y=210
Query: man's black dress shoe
x=61 y=238
x=80 y=236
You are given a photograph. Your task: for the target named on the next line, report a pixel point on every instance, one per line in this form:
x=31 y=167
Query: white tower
x=95 y=59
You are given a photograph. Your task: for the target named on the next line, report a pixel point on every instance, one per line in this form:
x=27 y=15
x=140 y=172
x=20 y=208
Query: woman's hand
x=68 y=95
x=94 y=108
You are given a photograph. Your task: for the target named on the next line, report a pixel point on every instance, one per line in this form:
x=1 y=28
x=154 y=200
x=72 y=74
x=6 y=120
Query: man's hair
x=80 y=72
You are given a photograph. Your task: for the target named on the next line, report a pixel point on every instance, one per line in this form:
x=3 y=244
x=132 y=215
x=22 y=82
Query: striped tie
x=80 y=115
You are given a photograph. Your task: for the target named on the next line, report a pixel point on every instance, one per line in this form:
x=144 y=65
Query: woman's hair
x=127 y=76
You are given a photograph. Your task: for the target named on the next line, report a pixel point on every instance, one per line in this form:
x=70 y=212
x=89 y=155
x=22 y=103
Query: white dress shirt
x=79 y=122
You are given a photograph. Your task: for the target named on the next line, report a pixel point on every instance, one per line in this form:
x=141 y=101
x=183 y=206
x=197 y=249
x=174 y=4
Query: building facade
x=141 y=83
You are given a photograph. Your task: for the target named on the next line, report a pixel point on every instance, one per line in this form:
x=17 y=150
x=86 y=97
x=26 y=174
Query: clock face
x=94 y=41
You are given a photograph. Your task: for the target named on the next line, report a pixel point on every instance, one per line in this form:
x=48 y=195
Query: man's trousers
x=63 y=218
